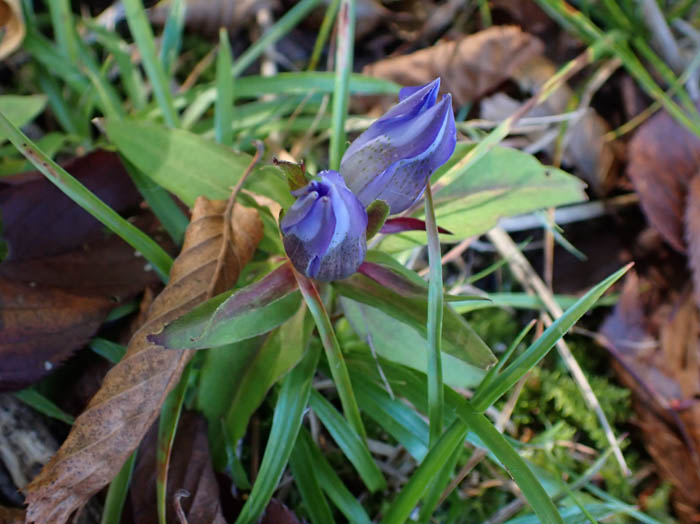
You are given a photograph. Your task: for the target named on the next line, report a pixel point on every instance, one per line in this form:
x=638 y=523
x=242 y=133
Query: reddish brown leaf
x=469 y=68
x=51 y=306
x=38 y=220
x=64 y=271
x=663 y=157
x=126 y=405
x=190 y=469
x=278 y=513
x=658 y=352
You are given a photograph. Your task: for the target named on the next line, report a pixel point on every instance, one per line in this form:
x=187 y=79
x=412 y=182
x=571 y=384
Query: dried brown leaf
x=190 y=469
x=658 y=351
x=469 y=68
x=12 y=25
x=11 y=515
x=663 y=157
x=128 y=402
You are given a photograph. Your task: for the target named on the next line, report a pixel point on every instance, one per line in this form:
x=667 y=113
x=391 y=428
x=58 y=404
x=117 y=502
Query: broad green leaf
x=503 y=183
x=20 y=110
x=230 y=317
x=286 y=421
x=393 y=415
x=403 y=344
x=188 y=165
x=353 y=446
x=459 y=339
x=235 y=378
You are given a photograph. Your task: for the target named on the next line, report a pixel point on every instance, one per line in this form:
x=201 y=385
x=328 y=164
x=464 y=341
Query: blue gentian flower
x=324 y=230
x=393 y=159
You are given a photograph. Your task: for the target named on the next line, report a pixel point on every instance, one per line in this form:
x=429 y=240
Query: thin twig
x=533 y=284
x=180 y=494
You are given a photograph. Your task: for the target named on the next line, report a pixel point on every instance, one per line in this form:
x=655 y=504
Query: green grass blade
x=486 y=396
x=43 y=50
x=223 y=109
x=285 y=24
x=42 y=404
x=86 y=199
x=430 y=467
x=323 y=32
x=64 y=28
x=436 y=400
x=143 y=36
x=172 y=35
x=304 y=476
x=432 y=498
x=286 y=421
x=131 y=78
x=533 y=491
x=161 y=203
x=493 y=372
x=341 y=91
x=343 y=499
x=354 y=447
x=339 y=370
x=63 y=113
x=394 y=417
x=117 y=492
x=108 y=349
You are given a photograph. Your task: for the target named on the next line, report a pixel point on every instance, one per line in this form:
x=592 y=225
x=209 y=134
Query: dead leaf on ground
x=11 y=515
x=107 y=432
x=595 y=159
x=12 y=25
x=64 y=272
x=658 y=347
x=190 y=469
x=469 y=68
x=663 y=158
x=207 y=16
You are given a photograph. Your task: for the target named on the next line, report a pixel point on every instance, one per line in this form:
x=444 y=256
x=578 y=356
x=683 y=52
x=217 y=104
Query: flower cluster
x=324 y=230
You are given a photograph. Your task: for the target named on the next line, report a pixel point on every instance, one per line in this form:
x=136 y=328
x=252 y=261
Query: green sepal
x=294 y=173
x=377 y=213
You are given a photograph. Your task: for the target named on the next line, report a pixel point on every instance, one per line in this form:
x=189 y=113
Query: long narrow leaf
x=484 y=397
x=143 y=36
x=286 y=421
x=354 y=447
x=223 y=110
x=341 y=91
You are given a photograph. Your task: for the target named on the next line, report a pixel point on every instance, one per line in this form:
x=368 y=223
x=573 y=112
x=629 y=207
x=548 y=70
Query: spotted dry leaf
x=219 y=241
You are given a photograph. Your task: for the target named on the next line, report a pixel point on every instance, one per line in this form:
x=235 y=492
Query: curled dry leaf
x=219 y=241
x=663 y=158
x=469 y=68
x=63 y=273
x=657 y=347
x=12 y=25
x=190 y=469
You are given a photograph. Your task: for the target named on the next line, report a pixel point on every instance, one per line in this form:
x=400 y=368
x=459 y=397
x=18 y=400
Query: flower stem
x=333 y=353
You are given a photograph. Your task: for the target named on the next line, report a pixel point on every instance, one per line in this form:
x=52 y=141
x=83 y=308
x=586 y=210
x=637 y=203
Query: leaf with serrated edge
x=118 y=416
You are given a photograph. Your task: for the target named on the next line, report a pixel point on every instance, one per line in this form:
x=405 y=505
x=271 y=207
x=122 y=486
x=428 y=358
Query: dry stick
x=259 y=148
x=534 y=285
x=180 y=494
